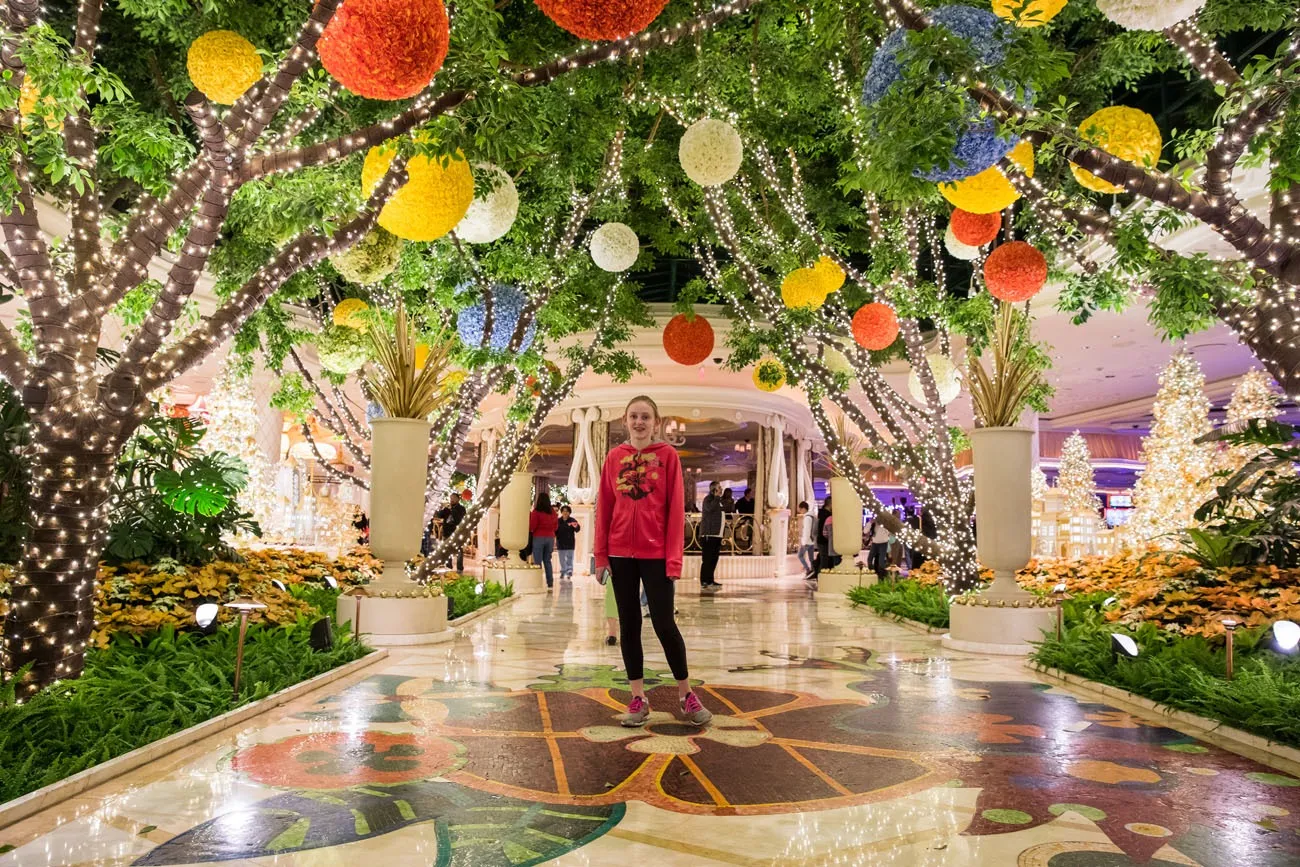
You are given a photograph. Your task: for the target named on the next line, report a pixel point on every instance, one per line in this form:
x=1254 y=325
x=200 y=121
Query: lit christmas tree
x=1075 y=480
x=1253 y=398
x=1177 y=476
x=232 y=428
x=1038 y=486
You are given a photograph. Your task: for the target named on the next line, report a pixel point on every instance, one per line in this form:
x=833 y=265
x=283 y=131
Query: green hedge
x=463 y=599
x=140 y=689
x=1185 y=672
x=910 y=600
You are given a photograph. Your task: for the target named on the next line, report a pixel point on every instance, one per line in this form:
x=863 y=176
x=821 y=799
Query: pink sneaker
x=638 y=711
x=695 y=713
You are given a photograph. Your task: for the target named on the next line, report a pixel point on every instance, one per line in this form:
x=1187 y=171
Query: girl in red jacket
x=640 y=523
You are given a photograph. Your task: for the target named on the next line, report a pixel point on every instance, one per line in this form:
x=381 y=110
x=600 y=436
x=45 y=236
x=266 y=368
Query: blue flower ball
x=507 y=307
x=373 y=411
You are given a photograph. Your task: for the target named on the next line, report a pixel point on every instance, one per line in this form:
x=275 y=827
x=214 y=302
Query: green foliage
x=906 y=600
x=14 y=479
x=294 y=396
x=464 y=596
x=1187 y=673
x=171 y=500
x=141 y=689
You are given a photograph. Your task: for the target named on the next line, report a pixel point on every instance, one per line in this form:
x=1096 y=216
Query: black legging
x=628 y=575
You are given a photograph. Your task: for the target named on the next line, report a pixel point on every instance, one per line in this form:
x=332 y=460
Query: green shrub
x=463 y=598
x=1185 y=672
x=140 y=689
x=910 y=600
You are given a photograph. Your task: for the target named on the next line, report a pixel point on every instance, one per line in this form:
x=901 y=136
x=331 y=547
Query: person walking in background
x=541 y=526
x=565 y=529
x=807 y=546
x=727 y=502
x=711 y=535
x=822 y=538
x=879 y=557
x=640 y=530
x=448 y=519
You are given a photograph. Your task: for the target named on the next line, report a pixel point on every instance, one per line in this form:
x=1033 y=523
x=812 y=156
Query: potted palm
x=1003 y=618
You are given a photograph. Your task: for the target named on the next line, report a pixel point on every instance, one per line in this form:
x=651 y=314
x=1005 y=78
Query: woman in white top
x=807 y=540
x=879 y=557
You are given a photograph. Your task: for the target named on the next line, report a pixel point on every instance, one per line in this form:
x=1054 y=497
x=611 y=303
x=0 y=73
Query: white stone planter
x=1003 y=618
x=399 y=459
x=515 y=503
x=846 y=529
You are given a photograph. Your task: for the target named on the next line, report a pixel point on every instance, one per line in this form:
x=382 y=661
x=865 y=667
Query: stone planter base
x=397 y=621
x=836 y=582
x=1005 y=631
x=525 y=579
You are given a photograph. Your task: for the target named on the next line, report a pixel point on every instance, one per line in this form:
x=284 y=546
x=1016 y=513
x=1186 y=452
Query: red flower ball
x=602 y=19
x=688 y=341
x=975 y=230
x=1015 y=272
x=385 y=49
x=875 y=326
x=467 y=494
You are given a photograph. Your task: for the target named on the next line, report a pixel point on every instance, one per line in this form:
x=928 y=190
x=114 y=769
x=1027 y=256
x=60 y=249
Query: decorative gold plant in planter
x=403 y=383
x=1000 y=396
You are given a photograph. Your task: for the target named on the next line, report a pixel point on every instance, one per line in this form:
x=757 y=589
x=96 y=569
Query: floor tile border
x=466 y=619
x=1283 y=757
x=914 y=625
x=69 y=787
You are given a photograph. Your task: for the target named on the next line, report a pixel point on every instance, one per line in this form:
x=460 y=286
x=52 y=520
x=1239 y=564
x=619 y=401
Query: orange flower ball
x=975 y=230
x=688 y=341
x=385 y=49
x=875 y=326
x=602 y=20
x=1015 y=272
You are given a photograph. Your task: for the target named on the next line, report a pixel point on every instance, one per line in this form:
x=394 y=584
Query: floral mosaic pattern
x=638 y=475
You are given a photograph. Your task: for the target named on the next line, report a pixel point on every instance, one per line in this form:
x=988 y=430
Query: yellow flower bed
x=1169 y=590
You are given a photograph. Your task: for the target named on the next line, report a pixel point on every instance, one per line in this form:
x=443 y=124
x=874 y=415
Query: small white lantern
x=491 y=215
x=710 y=152
x=614 y=247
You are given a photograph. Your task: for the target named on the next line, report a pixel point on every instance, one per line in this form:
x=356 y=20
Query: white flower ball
x=946 y=376
x=614 y=247
x=959 y=250
x=836 y=361
x=1149 y=14
x=710 y=152
x=491 y=215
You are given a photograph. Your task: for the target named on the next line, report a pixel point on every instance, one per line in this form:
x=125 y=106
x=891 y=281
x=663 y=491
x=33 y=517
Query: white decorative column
x=516 y=502
x=1003 y=618
x=778 y=494
x=393 y=610
x=584 y=480
x=804 y=491
x=846 y=541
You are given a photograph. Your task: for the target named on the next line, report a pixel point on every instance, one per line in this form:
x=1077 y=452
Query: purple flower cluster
x=508 y=304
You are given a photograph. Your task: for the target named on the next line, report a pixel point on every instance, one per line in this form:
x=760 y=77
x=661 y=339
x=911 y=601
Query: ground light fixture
x=280 y=585
x=332 y=582
x=205 y=616
x=1286 y=635
x=245 y=607
x=1122 y=645
x=1229 y=627
x=1059 y=592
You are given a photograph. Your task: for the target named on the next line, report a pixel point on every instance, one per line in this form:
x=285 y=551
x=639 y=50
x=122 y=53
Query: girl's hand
x=673 y=577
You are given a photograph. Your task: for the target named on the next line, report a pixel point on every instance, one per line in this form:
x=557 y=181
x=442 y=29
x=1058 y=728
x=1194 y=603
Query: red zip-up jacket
x=640 y=508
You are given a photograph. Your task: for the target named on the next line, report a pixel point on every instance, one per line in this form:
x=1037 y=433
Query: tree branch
x=336 y=426
x=330 y=469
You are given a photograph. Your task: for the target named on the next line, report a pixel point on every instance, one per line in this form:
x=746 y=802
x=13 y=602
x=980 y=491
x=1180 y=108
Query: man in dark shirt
x=565 y=542
x=746 y=504
x=448 y=519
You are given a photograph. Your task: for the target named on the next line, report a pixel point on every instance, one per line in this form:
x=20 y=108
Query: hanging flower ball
x=385 y=49
x=1127 y=133
x=340 y=350
x=432 y=201
x=990 y=191
x=421 y=355
x=508 y=304
x=688 y=340
x=351 y=313
x=975 y=230
x=371 y=259
x=803 y=287
x=492 y=214
x=875 y=326
x=28 y=95
x=836 y=361
x=769 y=374
x=957 y=249
x=946 y=376
x=1028 y=13
x=1014 y=272
x=614 y=247
x=602 y=20
x=1149 y=14
x=223 y=65
x=453 y=381
x=831 y=274
x=467 y=495
x=710 y=152
x=373 y=411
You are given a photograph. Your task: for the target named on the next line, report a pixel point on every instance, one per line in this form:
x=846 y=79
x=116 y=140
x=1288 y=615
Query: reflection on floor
x=838 y=738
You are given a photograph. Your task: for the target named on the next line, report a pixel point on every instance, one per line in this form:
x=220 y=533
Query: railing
x=741 y=534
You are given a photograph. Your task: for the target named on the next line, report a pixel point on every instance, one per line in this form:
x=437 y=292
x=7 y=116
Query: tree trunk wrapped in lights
x=81 y=417
x=913 y=439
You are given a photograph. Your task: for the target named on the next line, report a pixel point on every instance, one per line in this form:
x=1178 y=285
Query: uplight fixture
x=1123 y=645
x=1286 y=635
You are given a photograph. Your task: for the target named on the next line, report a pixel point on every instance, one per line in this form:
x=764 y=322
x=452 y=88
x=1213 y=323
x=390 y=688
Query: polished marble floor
x=838 y=739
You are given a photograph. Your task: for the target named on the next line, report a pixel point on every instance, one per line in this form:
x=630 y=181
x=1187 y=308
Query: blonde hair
x=641 y=398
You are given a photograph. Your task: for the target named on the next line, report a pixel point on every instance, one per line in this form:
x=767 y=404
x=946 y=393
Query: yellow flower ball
x=350 y=313
x=27 y=96
x=830 y=274
x=803 y=287
x=453 y=380
x=769 y=374
x=431 y=202
x=222 y=64
x=1028 y=13
x=421 y=355
x=989 y=191
x=1127 y=133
